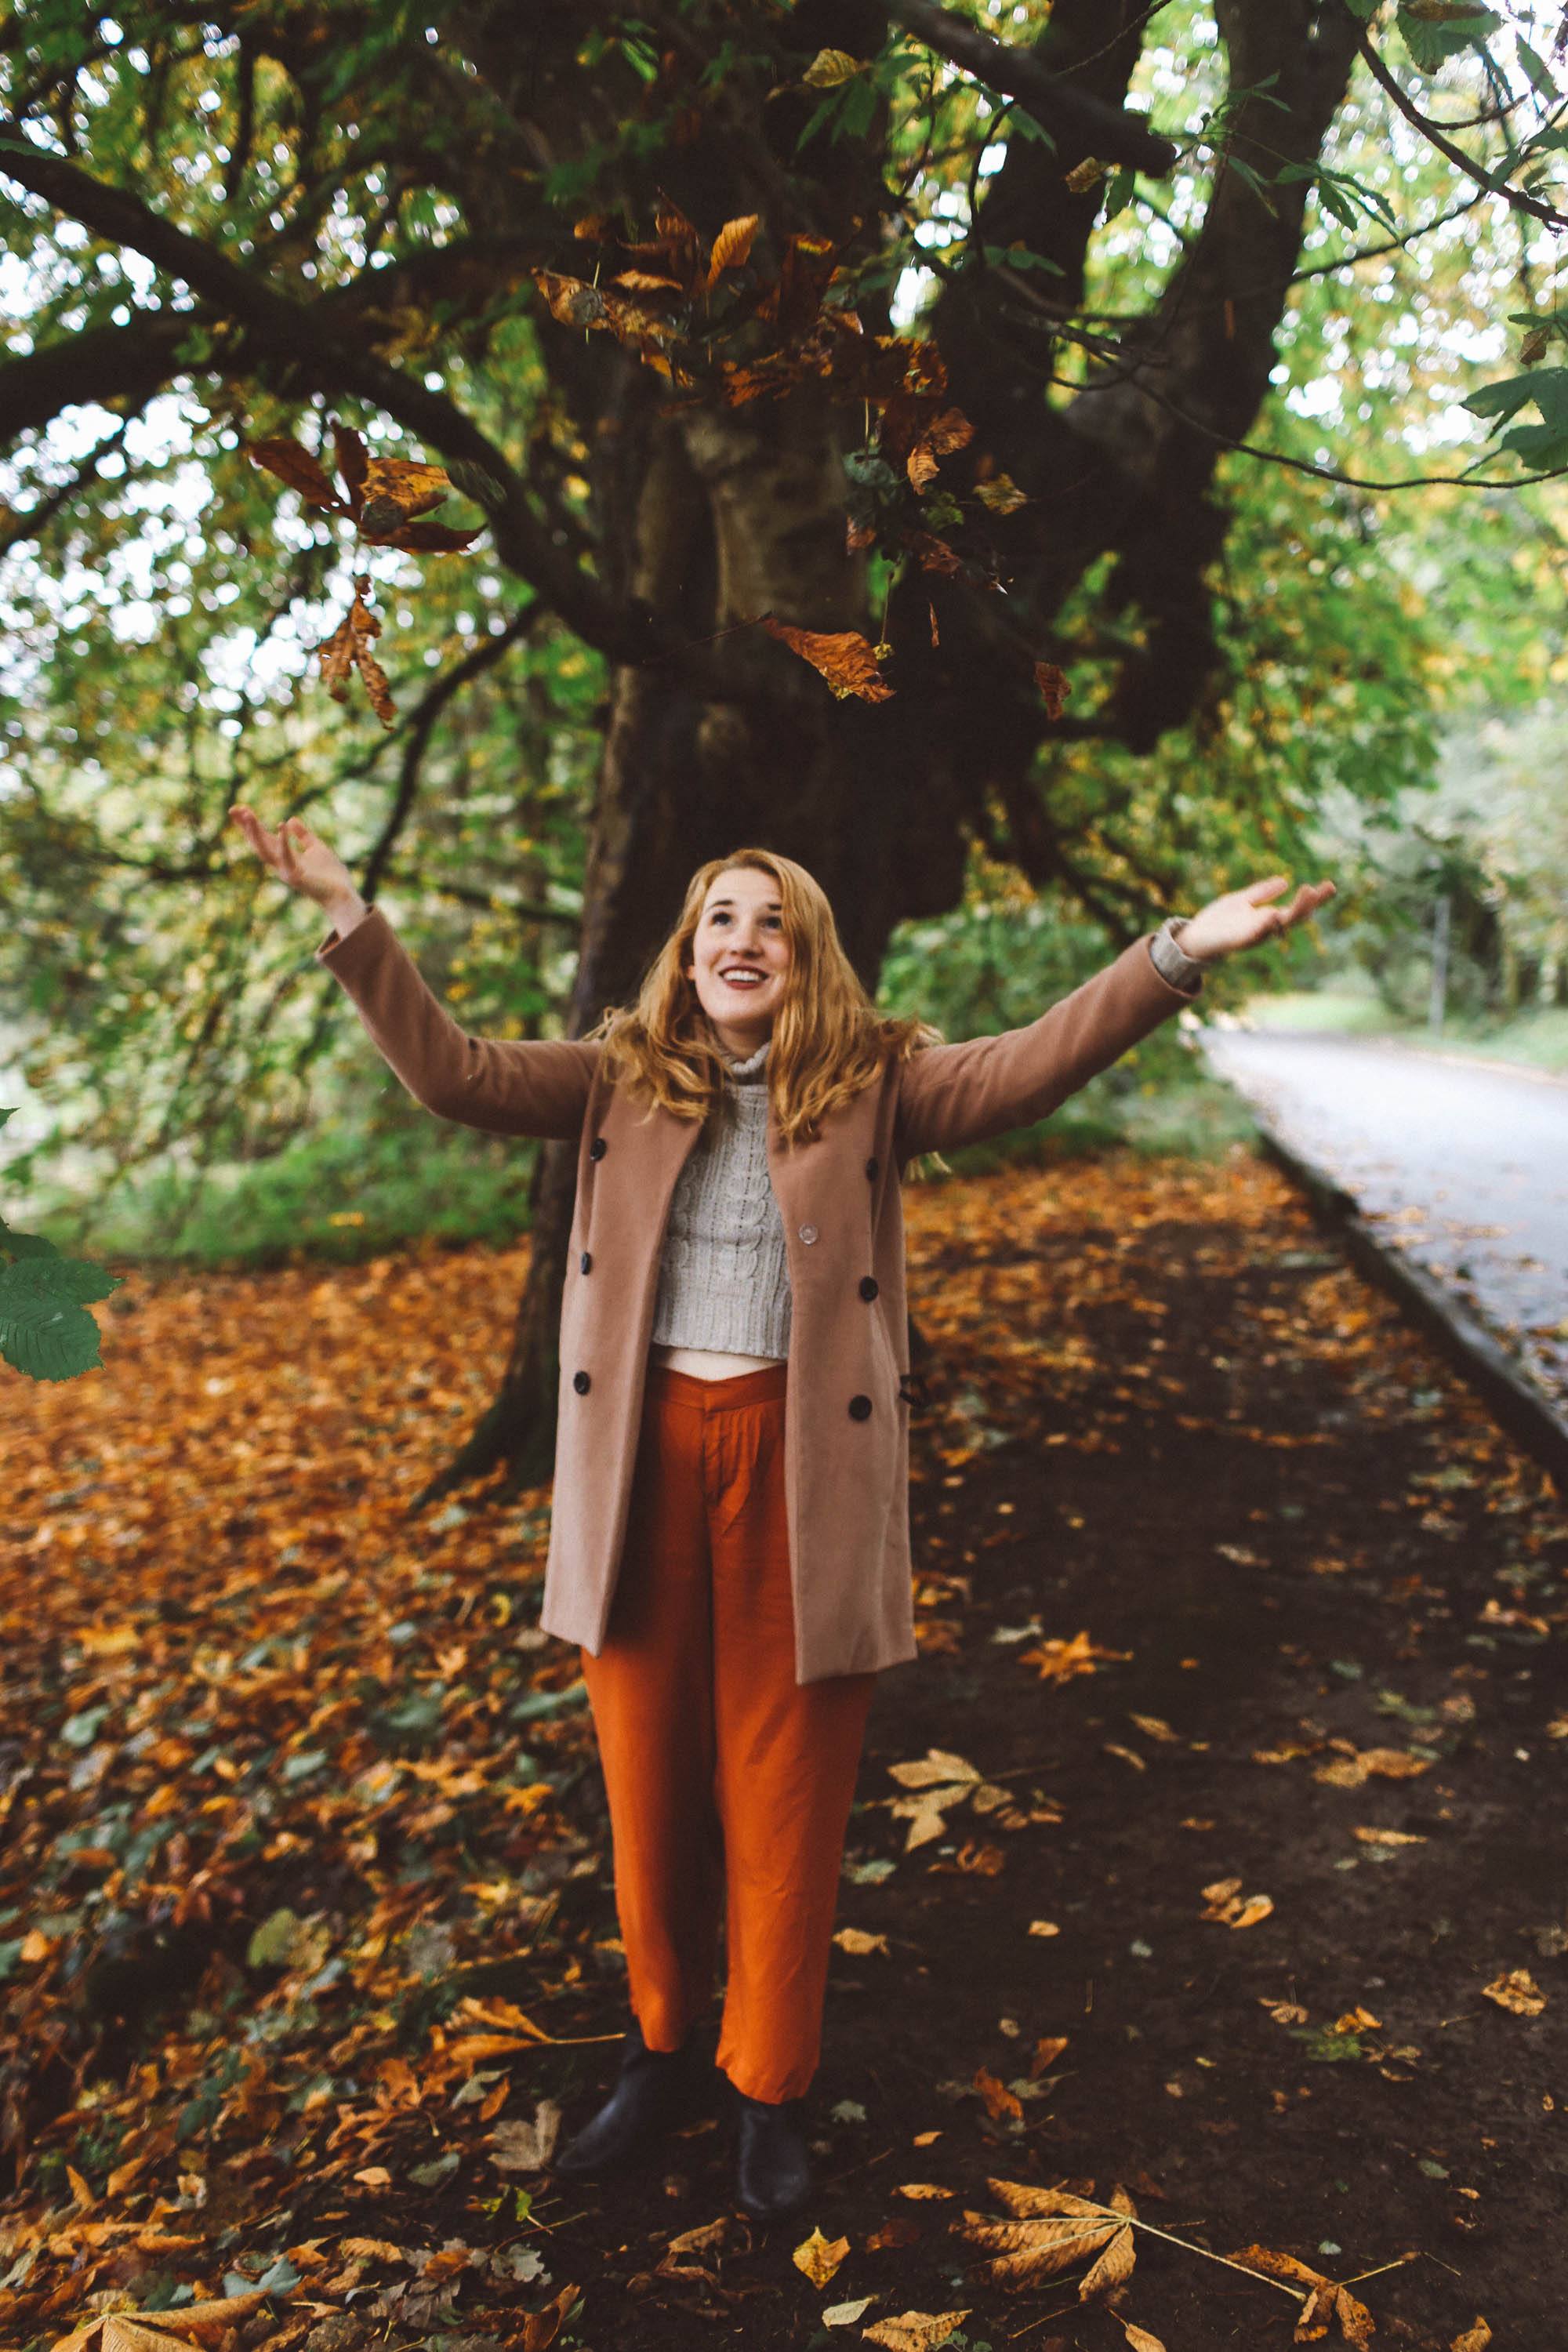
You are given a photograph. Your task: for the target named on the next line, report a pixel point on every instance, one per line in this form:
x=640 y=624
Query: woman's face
x=738 y=957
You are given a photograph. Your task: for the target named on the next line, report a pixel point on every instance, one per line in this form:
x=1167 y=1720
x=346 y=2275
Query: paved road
x=1464 y=1166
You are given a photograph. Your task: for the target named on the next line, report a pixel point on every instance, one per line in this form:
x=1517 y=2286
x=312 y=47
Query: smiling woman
x=729 y=1545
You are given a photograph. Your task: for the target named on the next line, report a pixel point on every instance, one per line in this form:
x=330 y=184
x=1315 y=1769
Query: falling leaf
x=818 y=2257
x=844 y=657
x=914 y=2331
x=733 y=245
x=294 y=466
x=1001 y=495
x=1518 y=1991
x=830 y=68
x=1055 y=686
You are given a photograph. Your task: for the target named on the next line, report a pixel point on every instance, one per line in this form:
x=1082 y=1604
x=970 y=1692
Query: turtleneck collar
x=754 y=1066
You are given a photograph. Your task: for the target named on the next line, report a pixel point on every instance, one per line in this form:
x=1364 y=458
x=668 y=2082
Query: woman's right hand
x=301 y=859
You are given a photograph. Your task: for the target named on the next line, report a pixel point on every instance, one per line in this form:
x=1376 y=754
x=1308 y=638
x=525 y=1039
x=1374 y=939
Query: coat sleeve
x=966 y=1093
x=507 y=1087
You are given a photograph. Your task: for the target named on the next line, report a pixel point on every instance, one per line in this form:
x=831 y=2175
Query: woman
x=729 y=1541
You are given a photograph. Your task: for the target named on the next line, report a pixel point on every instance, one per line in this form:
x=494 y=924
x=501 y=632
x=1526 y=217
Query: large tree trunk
x=730 y=515
x=717 y=516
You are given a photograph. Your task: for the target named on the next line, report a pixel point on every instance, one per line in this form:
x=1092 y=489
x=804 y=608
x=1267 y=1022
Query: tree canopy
x=1082 y=437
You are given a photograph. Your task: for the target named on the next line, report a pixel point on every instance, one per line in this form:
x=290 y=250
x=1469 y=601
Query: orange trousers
x=729 y=1783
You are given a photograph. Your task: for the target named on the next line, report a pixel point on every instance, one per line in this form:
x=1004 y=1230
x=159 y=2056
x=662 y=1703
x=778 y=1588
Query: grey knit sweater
x=723 y=1278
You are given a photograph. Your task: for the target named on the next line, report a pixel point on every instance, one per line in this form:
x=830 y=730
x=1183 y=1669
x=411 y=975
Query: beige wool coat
x=846 y=1413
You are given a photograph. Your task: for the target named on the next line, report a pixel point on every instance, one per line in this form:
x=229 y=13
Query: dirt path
x=1164 y=1416
x=1218 y=1452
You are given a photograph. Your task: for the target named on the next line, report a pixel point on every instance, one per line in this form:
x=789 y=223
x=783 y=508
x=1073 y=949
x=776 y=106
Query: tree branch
x=1517 y=198
x=1108 y=131
x=303 y=337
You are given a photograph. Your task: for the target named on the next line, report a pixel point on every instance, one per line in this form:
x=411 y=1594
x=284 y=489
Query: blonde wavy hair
x=829 y=1039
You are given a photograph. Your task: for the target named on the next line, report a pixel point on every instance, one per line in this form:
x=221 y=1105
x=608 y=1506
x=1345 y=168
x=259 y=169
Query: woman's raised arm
x=984 y=1087
x=504 y=1086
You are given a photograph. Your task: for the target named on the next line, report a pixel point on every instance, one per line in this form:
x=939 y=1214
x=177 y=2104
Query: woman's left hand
x=1242 y=918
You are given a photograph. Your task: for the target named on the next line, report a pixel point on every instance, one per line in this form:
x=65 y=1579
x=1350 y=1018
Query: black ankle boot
x=772 y=2172
x=654 y=2091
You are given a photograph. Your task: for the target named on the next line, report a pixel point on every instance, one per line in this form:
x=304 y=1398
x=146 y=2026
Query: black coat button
x=598 y=1147
x=860 y=1408
x=872 y=1170
x=586 y=1263
x=867 y=1285
x=580 y=1383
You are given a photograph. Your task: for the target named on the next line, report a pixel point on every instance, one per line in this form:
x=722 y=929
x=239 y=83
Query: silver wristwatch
x=1183 y=971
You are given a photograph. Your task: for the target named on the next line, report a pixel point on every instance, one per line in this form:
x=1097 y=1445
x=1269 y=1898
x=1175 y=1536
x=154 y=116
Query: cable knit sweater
x=723 y=1278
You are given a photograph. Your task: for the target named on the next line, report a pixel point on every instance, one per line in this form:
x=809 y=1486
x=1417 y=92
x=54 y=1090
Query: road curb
x=1519 y=1407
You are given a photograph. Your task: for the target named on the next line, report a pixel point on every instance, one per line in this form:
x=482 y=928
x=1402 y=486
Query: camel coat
x=847 y=1442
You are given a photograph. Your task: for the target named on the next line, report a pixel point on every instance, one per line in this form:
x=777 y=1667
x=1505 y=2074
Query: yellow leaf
x=1516 y=1990
x=859 y=1940
x=1475 y=2338
x=1044 y=1928
x=918 y=2189
x=914 y=2331
x=830 y=68
x=1140 y=2340
x=818 y=2257
x=1113 y=2266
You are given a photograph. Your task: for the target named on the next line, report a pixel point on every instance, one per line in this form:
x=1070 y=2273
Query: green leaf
x=45 y=1280
x=1431 y=41
x=55 y=1343
x=1543 y=447
x=1547 y=387
x=1119 y=190
x=1536 y=66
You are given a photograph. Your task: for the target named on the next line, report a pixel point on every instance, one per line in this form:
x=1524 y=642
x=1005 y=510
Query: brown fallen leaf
x=922 y=2188
x=1054 y=2230
x=914 y=2331
x=999 y=2100
x=1475 y=2338
x=1114 y=2266
x=1383 y=1763
x=859 y=1940
x=1058 y=1661
x=1388 y=1837
x=135 y=2331
x=519 y=2146
x=1228 y=1907
x=1518 y=1991
x=541 y=2328
x=1139 y=2338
